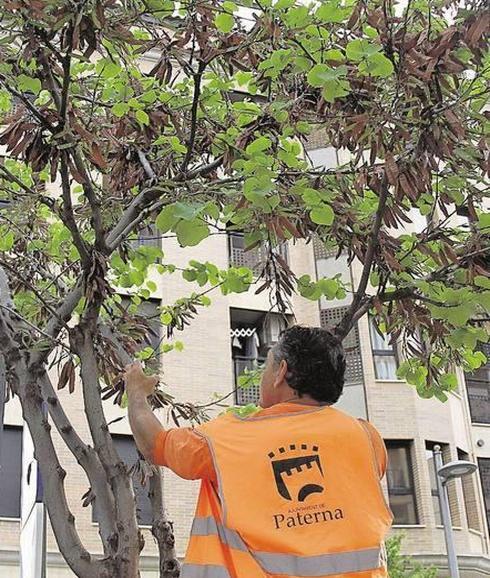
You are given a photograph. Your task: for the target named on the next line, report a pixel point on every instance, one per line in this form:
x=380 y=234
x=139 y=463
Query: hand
x=137 y=383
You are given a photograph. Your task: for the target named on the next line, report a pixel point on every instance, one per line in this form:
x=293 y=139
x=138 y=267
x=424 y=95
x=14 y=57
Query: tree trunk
x=162 y=529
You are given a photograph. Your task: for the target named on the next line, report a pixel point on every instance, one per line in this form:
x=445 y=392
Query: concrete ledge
x=55 y=560
x=470 y=566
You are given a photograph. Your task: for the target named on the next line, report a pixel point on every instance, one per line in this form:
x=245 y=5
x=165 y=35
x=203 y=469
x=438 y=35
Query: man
x=291 y=491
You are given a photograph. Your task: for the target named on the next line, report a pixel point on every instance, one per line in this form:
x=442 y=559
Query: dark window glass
x=126 y=448
x=401 y=488
x=384 y=354
x=10 y=471
x=484 y=468
x=478 y=388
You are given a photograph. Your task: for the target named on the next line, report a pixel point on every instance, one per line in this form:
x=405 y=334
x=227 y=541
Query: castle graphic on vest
x=298 y=471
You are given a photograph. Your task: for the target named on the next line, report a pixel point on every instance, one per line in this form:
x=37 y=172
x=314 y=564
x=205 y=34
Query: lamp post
x=444 y=473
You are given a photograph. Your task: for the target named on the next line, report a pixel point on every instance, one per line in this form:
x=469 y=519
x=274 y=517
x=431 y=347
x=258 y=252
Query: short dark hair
x=316 y=362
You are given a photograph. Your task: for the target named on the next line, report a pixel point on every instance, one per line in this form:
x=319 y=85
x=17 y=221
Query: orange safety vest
x=298 y=496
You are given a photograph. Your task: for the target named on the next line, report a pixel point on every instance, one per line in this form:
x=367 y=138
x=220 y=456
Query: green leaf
x=191 y=233
x=120 y=109
x=179 y=346
x=321 y=74
x=176 y=145
x=224 y=22
x=166 y=318
x=376 y=65
x=481 y=281
x=335 y=90
x=331 y=79
x=331 y=12
x=484 y=221
x=333 y=54
x=7 y=241
x=27 y=84
x=229 y=6
x=142 y=117
x=108 y=69
x=359 y=49
x=166 y=219
x=258 y=145
x=322 y=215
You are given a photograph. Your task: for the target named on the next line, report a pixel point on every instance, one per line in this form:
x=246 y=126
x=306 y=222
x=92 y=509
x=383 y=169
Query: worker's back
x=298 y=495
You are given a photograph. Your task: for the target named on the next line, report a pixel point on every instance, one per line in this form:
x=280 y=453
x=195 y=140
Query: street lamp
x=451 y=471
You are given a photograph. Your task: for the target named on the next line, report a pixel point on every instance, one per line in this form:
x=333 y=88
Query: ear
x=281 y=373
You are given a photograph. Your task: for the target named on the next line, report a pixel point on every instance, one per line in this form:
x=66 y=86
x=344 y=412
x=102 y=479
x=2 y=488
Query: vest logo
x=298 y=471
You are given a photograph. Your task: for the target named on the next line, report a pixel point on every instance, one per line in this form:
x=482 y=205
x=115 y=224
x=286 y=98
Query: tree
x=211 y=137
x=400 y=566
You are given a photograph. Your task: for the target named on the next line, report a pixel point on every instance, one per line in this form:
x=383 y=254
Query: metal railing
x=255 y=258
x=248 y=394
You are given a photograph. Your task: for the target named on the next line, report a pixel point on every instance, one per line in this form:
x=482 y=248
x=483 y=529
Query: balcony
x=255 y=258
x=252 y=334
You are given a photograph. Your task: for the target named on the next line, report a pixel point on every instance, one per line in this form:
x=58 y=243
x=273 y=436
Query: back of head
x=316 y=362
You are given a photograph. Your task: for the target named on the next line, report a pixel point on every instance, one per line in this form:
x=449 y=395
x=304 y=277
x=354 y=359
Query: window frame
x=407 y=446
x=391 y=351
x=125 y=438
x=19 y=430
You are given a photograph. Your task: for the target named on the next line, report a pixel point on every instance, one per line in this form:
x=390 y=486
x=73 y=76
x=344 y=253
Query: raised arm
x=144 y=424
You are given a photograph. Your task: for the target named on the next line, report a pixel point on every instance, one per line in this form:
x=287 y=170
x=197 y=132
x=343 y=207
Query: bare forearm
x=144 y=424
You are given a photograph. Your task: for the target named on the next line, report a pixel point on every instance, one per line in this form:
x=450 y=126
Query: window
x=478 y=388
x=126 y=448
x=10 y=471
x=484 y=468
x=149 y=310
x=451 y=485
x=469 y=493
x=429 y=452
x=147 y=236
x=384 y=354
x=401 y=489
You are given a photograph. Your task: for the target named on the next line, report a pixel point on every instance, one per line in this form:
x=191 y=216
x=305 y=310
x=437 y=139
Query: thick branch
x=195 y=104
x=27 y=388
x=68 y=216
x=129 y=543
x=92 y=197
x=346 y=324
x=162 y=528
x=89 y=461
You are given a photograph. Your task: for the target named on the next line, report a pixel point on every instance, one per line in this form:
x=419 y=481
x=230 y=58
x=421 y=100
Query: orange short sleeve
x=185 y=452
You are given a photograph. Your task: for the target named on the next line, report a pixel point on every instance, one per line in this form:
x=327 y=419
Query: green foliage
x=400 y=566
x=219 y=141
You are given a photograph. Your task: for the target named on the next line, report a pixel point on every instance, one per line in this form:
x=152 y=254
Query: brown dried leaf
x=68 y=368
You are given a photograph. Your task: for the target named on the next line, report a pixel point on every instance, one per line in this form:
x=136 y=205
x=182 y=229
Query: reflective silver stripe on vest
x=204 y=571
x=210 y=527
x=323 y=565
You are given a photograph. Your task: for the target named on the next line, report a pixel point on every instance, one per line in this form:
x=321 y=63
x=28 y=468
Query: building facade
x=234 y=334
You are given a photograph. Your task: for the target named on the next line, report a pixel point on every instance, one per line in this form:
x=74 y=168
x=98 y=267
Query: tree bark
x=130 y=540
x=162 y=528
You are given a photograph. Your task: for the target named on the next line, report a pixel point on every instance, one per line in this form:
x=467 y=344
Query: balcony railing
x=245 y=395
x=255 y=258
